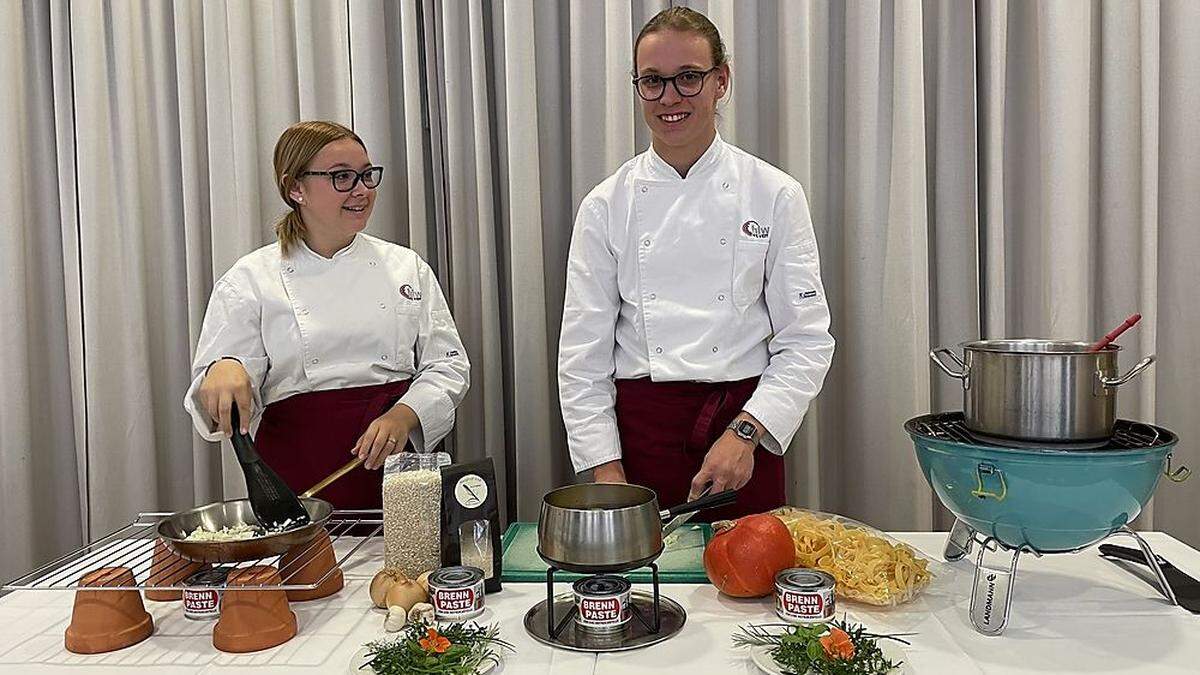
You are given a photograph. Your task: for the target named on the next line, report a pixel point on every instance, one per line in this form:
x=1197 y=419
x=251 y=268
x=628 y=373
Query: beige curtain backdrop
x=974 y=169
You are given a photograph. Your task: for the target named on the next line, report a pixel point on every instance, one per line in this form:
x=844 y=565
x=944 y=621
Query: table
x=1072 y=613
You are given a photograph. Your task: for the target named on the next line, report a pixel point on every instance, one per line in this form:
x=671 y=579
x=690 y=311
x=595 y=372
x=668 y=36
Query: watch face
x=745 y=429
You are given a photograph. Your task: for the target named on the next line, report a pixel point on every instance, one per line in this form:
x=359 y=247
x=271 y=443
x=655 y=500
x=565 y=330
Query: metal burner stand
x=991 y=594
x=557 y=629
x=655 y=618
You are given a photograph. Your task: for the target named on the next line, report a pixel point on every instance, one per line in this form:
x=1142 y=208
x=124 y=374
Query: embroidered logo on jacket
x=753 y=229
x=410 y=292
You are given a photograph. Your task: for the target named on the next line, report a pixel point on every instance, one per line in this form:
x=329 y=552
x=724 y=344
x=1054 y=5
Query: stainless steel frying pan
x=175 y=528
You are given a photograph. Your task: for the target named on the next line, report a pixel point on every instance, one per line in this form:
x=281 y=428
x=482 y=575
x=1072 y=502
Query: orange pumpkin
x=742 y=559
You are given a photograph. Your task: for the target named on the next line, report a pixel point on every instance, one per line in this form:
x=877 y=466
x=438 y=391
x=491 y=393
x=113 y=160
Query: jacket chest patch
x=756 y=230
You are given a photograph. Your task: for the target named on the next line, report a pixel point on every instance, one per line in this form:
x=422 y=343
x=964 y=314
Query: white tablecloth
x=1071 y=614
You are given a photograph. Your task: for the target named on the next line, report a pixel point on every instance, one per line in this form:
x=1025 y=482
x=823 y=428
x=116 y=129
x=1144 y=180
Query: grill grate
x=133 y=546
x=1127 y=435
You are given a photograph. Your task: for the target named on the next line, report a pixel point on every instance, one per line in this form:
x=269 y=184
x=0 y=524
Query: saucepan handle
x=706 y=502
x=1134 y=372
x=935 y=356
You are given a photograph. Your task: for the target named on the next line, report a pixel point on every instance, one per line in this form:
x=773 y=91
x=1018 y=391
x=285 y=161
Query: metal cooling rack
x=1127 y=435
x=132 y=546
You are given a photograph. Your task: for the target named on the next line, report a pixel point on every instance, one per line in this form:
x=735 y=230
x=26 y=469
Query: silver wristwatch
x=745 y=430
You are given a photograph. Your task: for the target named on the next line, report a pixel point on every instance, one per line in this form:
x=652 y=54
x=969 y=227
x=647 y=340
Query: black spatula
x=274 y=504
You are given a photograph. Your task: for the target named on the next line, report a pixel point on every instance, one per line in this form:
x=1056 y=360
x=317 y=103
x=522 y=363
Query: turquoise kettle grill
x=1038 y=498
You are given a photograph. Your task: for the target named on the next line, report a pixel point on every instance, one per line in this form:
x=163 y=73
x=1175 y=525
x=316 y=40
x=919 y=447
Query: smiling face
x=681 y=125
x=330 y=215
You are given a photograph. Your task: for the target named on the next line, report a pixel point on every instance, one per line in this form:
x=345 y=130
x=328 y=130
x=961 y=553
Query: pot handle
x=707 y=502
x=1134 y=372
x=937 y=360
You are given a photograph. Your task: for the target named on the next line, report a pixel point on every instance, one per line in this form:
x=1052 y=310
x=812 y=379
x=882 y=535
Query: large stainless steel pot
x=595 y=528
x=1038 y=390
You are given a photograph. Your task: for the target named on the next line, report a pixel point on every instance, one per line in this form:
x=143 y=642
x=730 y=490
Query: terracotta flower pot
x=253 y=619
x=104 y=621
x=167 y=569
x=307 y=564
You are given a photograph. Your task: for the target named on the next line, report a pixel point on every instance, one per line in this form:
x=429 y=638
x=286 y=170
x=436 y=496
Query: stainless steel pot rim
x=1033 y=347
x=549 y=497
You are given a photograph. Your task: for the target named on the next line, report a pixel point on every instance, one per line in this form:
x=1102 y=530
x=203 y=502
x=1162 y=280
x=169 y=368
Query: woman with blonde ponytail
x=329 y=340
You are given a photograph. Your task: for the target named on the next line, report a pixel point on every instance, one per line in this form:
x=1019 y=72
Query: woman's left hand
x=386 y=435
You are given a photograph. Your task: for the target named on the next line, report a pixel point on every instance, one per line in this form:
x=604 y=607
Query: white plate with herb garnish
x=447 y=648
x=836 y=648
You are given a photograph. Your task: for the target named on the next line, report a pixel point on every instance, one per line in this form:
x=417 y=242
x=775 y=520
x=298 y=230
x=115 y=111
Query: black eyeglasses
x=344 y=180
x=687 y=84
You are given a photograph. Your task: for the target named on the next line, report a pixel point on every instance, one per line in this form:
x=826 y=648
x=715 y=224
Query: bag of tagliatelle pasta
x=868 y=565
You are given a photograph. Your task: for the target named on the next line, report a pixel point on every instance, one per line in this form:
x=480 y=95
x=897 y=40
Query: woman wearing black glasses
x=695 y=331
x=330 y=340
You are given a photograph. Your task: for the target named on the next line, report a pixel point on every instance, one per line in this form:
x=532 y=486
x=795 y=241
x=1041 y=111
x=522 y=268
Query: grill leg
x=958 y=544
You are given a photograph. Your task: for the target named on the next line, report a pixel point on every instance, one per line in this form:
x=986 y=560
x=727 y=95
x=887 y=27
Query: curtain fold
x=39 y=443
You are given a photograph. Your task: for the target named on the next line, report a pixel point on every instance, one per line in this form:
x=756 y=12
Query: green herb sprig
x=471 y=648
x=798 y=649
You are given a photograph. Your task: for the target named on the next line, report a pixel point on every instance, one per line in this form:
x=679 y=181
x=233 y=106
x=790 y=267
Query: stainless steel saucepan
x=596 y=528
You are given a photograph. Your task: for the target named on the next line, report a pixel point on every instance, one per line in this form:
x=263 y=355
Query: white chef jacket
x=371 y=314
x=710 y=278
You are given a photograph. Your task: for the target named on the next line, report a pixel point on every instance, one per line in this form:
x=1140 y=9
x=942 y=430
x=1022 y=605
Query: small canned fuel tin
x=804 y=596
x=202 y=594
x=456 y=593
x=603 y=603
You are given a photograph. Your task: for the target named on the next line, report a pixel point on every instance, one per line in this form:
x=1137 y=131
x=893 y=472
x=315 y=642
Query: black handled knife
x=1186 y=588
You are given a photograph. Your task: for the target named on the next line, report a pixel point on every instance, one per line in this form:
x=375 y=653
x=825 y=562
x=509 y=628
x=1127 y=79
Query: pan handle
x=935 y=356
x=707 y=502
x=243 y=445
x=332 y=477
x=1134 y=372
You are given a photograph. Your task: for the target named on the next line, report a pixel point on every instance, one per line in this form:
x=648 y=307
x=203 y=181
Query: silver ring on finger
x=391 y=440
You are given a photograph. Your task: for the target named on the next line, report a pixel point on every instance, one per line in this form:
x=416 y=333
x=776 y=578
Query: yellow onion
x=383 y=582
x=405 y=593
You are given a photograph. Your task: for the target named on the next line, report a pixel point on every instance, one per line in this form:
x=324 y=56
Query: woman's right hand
x=611 y=472
x=226 y=383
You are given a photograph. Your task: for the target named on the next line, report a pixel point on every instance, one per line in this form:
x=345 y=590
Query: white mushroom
x=422 y=611
x=396 y=619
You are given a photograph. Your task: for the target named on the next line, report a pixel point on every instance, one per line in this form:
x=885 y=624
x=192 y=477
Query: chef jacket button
x=316 y=361
x=658 y=350
x=714 y=350
x=290 y=269
x=653 y=296
x=384 y=357
x=645 y=242
x=725 y=185
x=721 y=297
x=304 y=311
x=371 y=263
x=382 y=305
x=723 y=242
x=643 y=189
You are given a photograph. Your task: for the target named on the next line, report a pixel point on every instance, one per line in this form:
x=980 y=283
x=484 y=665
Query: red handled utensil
x=1116 y=332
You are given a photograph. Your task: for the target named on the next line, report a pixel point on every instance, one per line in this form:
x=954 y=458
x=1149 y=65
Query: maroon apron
x=307 y=436
x=666 y=428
